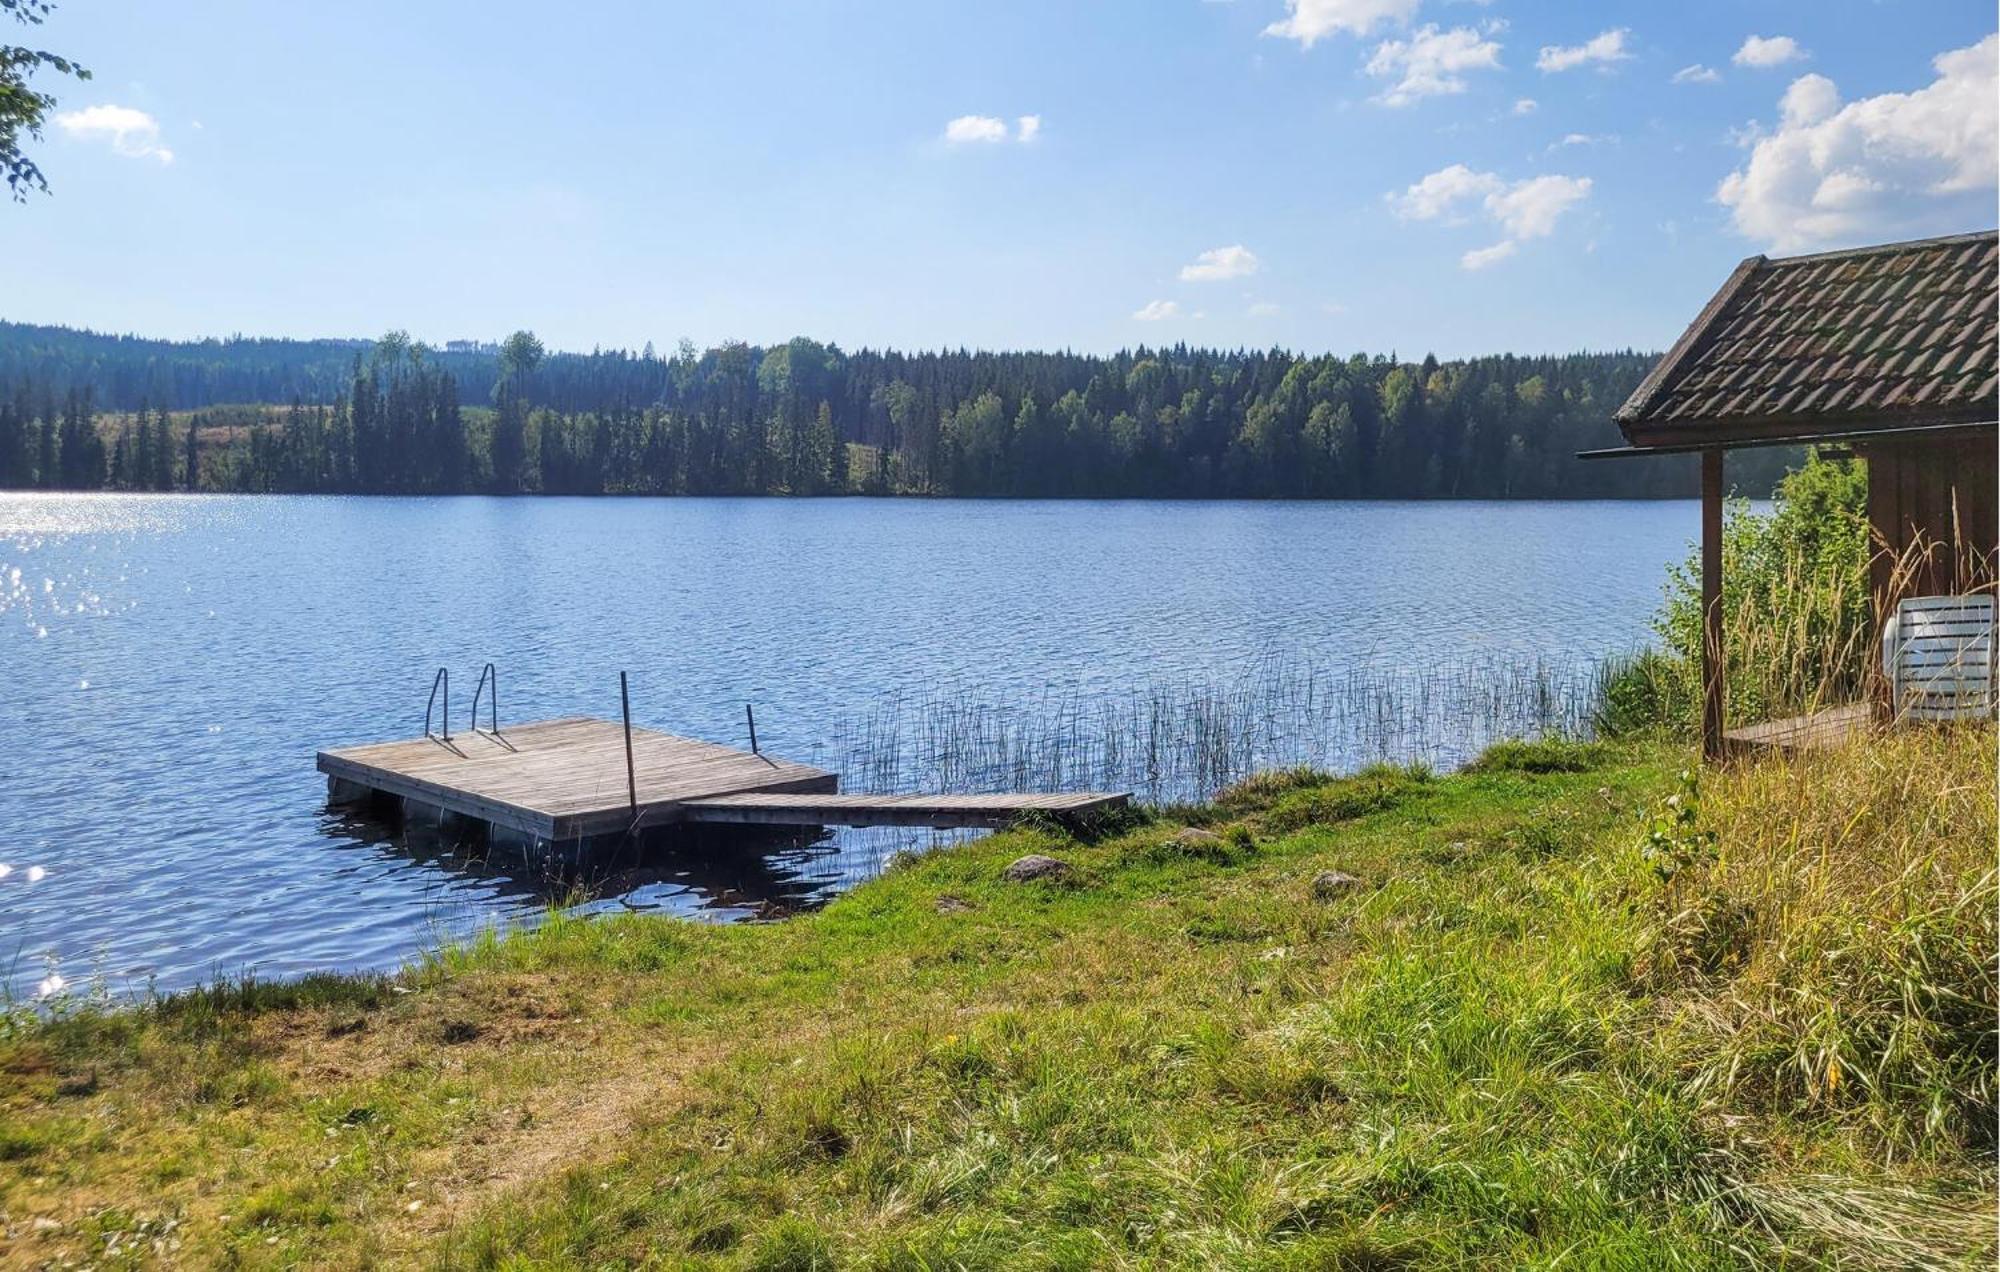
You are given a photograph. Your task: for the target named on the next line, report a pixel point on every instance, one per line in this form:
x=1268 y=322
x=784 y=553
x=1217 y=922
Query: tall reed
x=1186 y=739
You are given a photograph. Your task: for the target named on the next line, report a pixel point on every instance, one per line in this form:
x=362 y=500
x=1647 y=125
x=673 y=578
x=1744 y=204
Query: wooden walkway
x=565 y=779
x=942 y=811
x=1801 y=733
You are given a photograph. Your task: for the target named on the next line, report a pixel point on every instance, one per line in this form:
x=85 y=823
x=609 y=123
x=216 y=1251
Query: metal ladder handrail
x=487 y=673
x=443 y=678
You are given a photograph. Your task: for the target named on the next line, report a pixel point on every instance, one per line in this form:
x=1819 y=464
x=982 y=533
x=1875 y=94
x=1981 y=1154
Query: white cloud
x=1264 y=309
x=1529 y=209
x=1431 y=62
x=1439 y=194
x=1309 y=21
x=970 y=129
x=1760 y=51
x=1810 y=99
x=1893 y=164
x=132 y=133
x=1219 y=263
x=1697 y=74
x=1601 y=50
x=1526 y=209
x=1481 y=257
x=991 y=130
x=1526 y=106
x=1159 y=311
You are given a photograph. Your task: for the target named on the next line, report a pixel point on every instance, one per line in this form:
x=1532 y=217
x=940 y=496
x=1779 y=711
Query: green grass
x=1559 y=1022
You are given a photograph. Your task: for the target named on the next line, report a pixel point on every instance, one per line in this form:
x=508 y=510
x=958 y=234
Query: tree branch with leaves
x=22 y=107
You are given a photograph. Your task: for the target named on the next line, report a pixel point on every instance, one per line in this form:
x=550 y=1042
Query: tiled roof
x=1868 y=338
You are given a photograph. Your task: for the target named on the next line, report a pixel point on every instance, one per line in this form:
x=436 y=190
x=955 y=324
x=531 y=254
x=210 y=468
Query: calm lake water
x=169 y=666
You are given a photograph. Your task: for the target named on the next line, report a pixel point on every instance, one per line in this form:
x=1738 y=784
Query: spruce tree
x=192 y=466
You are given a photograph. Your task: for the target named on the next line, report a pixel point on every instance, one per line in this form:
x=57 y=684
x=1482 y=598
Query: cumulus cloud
x=1431 y=62
x=1027 y=128
x=1526 y=106
x=1760 y=51
x=1481 y=257
x=1220 y=263
x=1310 y=21
x=132 y=133
x=1697 y=74
x=1810 y=99
x=1529 y=209
x=1158 y=311
x=1439 y=195
x=1526 y=209
x=1833 y=173
x=1600 y=50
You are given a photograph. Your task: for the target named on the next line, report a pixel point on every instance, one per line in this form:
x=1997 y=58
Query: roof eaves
x=1669 y=366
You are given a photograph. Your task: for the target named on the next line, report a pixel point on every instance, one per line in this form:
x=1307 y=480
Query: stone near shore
x=1035 y=866
x=1328 y=884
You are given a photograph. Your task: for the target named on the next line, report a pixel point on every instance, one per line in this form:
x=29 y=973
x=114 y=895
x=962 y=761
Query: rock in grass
x=949 y=904
x=1195 y=839
x=1328 y=884
x=1035 y=866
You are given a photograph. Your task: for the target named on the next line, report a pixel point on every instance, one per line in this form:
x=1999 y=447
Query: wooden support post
x=1711 y=604
x=631 y=780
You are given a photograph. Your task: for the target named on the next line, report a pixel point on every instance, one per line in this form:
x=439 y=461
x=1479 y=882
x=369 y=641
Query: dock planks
x=941 y=811
x=1801 y=733
x=565 y=779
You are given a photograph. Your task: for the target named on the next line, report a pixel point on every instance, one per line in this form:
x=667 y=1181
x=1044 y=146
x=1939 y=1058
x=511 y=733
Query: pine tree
x=142 y=449
x=192 y=467
x=161 y=477
x=15 y=465
x=45 y=451
x=122 y=459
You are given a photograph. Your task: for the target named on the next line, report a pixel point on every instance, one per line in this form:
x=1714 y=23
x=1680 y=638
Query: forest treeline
x=82 y=411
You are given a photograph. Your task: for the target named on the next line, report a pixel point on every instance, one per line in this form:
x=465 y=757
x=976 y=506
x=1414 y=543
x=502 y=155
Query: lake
x=171 y=664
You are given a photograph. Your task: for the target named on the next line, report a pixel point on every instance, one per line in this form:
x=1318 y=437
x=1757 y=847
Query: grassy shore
x=1568 y=1011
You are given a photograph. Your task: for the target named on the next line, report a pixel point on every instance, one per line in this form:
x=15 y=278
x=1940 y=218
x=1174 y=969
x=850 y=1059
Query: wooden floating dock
x=559 y=780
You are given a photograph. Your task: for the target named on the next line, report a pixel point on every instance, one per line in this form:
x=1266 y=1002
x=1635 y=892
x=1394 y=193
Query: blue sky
x=1415 y=175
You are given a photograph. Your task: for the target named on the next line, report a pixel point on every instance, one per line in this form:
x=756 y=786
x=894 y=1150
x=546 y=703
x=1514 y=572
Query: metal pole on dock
x=631 y=782
x=750 y=718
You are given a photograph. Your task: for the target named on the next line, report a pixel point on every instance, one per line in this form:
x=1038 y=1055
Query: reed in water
x=1185 y=739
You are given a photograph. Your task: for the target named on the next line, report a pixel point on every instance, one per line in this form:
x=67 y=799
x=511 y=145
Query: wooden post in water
x=1711 y=604
x=631 y=781
x=750 y=718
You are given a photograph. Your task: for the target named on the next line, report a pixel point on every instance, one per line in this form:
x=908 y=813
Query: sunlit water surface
x=169 y=666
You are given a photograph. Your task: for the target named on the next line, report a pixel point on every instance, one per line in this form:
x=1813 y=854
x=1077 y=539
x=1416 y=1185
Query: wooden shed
x=1887 y=351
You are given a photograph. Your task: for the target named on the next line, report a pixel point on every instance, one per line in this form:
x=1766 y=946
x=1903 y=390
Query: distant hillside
x=125 y=372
